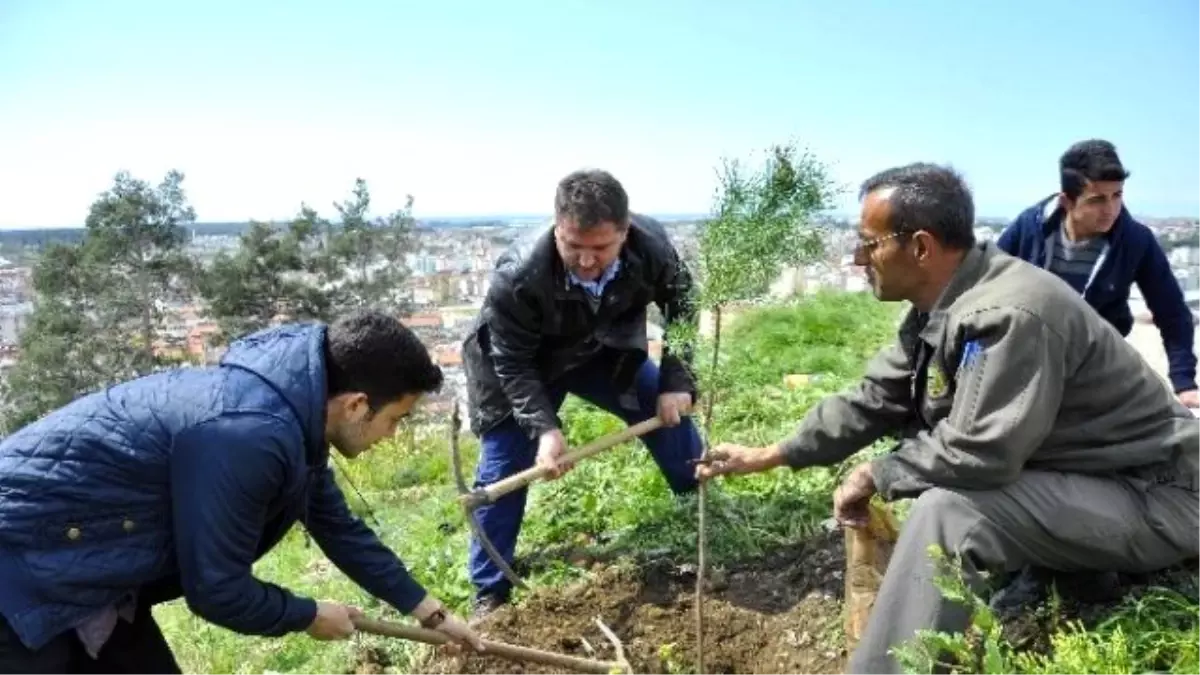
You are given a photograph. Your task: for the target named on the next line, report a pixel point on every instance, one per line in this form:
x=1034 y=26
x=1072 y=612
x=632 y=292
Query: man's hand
x=1190 y=398
x=851 y=497
x=433 y=615
x=672 y=406
x=334 y=621
x=551 y=448
x=728 y=458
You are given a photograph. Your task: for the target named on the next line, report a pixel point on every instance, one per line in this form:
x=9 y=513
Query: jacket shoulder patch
x=936 y=382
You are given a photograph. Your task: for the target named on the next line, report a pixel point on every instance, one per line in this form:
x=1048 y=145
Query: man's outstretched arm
x=1171 y=314
x=355 y=548
x=1009 y=388
x=224 y=473
x=837 y=426
x=841 y=425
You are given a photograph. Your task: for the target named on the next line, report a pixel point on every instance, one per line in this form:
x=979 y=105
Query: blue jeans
x=505 y=450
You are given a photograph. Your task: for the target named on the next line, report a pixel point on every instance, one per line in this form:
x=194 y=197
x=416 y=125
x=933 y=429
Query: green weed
x=1157 y=632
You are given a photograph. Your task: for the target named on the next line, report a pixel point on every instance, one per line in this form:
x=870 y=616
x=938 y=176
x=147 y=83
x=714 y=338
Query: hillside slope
x=609 y=540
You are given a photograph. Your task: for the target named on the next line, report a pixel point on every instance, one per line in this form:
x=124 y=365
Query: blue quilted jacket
x=181 y=480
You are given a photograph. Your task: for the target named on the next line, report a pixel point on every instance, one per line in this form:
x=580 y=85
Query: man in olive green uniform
x=1032 y=433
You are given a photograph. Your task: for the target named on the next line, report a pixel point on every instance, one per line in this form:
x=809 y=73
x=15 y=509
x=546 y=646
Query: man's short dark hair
x=589 y=197
x=374 y=353
x=928 y=197
x=1088 y=162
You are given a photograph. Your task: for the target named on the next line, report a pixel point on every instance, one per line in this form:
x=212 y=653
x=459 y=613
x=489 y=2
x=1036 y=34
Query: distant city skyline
x=517 y=217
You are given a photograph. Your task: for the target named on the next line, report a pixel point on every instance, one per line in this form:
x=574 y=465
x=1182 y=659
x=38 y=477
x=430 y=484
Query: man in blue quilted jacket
x=174 y=484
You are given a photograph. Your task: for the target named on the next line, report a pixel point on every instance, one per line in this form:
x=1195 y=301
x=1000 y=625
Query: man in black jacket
x=566 y=313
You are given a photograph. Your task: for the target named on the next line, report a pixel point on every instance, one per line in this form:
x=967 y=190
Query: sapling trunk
x=760 y=225
x=702 y=540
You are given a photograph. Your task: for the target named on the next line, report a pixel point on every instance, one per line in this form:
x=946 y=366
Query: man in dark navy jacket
x=1085 y=236
x=174 y=484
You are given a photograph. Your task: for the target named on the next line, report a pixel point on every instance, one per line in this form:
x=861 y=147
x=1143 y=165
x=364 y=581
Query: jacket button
x=128 y=525
x=73 y=533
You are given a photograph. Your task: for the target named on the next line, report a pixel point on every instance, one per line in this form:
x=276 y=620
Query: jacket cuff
x=893 y=480
x=536 y=425
x=674 y=376
x=407 y=595
x=300 y=614
x=794 y=453
x=1182 y=383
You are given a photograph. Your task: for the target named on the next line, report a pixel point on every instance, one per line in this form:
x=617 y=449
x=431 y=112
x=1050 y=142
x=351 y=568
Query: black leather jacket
x=535 y=326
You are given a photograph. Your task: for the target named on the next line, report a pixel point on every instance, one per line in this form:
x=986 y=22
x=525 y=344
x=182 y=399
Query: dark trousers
x=137 y=647
x=506 y=450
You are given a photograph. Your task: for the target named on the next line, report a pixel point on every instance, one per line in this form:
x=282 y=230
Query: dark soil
x=780 y=614
x=370 y=661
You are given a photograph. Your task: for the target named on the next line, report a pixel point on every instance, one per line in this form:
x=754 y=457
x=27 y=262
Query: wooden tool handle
x=507 y=651
x=519 y=480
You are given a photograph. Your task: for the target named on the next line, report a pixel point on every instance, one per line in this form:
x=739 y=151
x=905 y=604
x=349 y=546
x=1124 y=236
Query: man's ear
x=353 y=405
x=360 y=407
x=921 y=249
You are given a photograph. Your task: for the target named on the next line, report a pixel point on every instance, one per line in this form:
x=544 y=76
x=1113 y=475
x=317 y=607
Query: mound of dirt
x=780 y=614
x=370 y=661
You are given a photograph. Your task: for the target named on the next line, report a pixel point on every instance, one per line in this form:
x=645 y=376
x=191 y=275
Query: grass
x=1157 y=632
x=617 y=504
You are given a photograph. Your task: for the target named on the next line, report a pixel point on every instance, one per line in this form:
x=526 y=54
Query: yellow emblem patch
x=935 y=382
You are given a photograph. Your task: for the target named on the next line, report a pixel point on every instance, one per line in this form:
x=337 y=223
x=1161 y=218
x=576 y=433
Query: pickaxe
x=473 y=499
x=506 y=651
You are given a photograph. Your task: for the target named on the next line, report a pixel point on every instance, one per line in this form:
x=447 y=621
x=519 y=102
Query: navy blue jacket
x=183 y=479
x=1134 y=256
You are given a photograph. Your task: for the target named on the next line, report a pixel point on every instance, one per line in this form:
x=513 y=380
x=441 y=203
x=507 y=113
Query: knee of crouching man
x=945 y=516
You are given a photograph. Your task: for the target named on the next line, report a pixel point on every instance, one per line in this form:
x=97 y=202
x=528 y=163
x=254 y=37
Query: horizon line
x=504 y=217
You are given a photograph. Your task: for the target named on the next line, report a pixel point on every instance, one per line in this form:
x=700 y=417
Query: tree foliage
x=312 y=268
x=762 y=223
x=266 y=279
x=367 y=256
x=100 y=304
x=135 y=244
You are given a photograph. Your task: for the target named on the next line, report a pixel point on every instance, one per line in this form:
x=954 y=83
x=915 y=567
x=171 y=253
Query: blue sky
x=480 y=107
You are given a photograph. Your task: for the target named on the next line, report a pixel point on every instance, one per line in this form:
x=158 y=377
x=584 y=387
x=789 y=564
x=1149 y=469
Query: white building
x=13 y=319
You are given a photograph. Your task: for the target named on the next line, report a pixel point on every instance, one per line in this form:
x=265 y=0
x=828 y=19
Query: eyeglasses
x=864 y=246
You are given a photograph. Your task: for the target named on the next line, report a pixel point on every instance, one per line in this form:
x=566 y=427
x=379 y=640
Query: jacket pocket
x=105 y=527
x=84 y=560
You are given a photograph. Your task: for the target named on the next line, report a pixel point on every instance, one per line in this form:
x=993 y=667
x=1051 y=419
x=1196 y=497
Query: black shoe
x=1022 y=591
x=484 y=605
